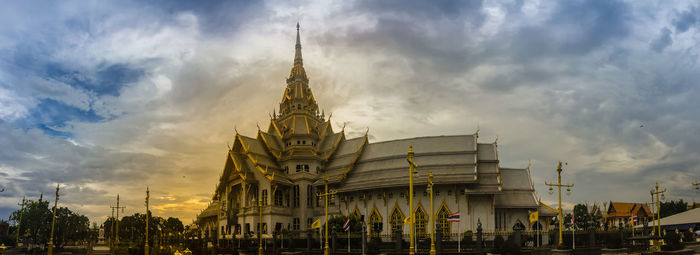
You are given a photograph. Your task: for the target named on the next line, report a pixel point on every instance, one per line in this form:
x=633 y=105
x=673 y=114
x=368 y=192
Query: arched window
x=357 y=213
x=396 y=221
x=421 y=222
x=375 y=222
x=442 y=216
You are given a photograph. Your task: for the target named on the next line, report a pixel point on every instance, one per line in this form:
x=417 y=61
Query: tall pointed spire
x=297 y=56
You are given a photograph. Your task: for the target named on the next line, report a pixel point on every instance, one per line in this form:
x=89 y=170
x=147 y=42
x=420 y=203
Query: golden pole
x=146 y=247
x=19 y=223
x=658 y=206
x=260 y=247
x=116 y=231
x=326 y=195
x=559 y=186
x=411 y=169
x=53 y=222
x=432 y=219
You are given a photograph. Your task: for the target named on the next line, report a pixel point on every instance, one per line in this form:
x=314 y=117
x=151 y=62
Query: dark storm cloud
x=575 y=28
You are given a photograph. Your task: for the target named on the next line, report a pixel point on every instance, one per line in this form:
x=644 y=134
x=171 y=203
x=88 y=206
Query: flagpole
x=573 y=231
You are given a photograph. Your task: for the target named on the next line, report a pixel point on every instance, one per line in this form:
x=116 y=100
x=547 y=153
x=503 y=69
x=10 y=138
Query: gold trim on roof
x=269 y=148
x=354 y=160
x=276 y=129
x=325 y=128
x=335 y=147
x=306 y=121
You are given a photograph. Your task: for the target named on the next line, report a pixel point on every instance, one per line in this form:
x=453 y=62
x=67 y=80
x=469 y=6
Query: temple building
x=287 y=163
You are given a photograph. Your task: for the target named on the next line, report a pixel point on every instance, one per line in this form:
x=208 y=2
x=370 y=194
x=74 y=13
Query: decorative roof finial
x=297 y=55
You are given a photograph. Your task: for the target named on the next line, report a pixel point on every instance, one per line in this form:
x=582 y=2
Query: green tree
x=36 y=224
x=673 y=207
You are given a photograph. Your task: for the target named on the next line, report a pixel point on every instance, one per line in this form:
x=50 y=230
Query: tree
x=673 y=207
x=36 y=224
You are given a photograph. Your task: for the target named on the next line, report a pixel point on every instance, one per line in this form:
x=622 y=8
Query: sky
x=109 y=97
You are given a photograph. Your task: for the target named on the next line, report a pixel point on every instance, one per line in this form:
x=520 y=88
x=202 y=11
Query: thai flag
x=453 y=217
x=634 y=218
x=346 y=225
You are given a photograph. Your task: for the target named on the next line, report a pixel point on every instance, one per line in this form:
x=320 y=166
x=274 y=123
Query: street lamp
x=656 y=192
x=260 y=225
x=568 y=192
x=432 y=218
x=53 y=222
x=411 y=169
x=325 y=195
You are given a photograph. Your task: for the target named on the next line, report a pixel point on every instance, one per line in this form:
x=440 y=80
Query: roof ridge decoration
x=335 y=147
x=267 y=145
x=354 y=160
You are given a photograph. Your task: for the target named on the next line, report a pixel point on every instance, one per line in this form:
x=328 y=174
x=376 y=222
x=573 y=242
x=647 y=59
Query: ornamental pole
x=656 y=192
x=411 y=168
x=432 y=219
x=146 y=247
x=559 y=186
x=53 y=222
x=260 y=247
x=19 y=223
x=326 y=195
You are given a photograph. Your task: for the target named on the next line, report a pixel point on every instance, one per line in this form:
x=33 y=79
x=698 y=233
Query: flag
x=534 y=216
x=572 y=219
x=316 y=224
x=453 y=217
x=407 y=220
x=346 y=225
x=634 y=218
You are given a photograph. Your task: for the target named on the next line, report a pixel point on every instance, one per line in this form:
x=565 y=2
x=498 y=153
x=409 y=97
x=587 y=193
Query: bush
x=672 y=242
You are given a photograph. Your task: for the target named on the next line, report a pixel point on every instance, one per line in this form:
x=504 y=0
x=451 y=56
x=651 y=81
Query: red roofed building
x=619 y=212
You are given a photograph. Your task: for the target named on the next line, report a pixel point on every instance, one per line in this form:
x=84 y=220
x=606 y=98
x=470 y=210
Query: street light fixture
x=568 y=190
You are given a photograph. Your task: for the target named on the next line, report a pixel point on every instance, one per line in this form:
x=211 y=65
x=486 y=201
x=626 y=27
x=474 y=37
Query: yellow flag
x=534 y=216
x=316 y=224
x=407 y=220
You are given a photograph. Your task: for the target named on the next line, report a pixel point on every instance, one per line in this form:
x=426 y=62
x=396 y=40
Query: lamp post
x=412 y=169
x=146 y=251
x=260 y=227
x=697 y=186
x=19 y=223
x=656 y=192
x=326 y=195
x=116 y=230
x=53 y=222
x=432 y=219
x=559 y=186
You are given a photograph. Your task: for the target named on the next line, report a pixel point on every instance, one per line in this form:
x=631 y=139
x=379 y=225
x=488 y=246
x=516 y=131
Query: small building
x=619 y=212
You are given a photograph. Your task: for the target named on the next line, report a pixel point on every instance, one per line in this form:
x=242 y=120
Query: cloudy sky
x=109 y=97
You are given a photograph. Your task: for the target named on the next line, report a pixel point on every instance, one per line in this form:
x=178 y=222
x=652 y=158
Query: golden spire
x=297 y=55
